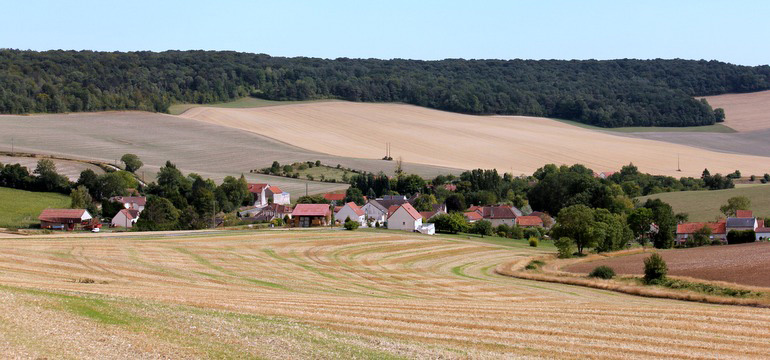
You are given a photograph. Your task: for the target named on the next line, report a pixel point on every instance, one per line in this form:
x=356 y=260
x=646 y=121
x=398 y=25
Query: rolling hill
x=744 y=112
x=509 y=143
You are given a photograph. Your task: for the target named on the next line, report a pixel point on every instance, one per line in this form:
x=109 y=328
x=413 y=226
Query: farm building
x=131 y=202
x=686 y=230
x=125 y=218
x=307 y=215
x=762 y=233
x=350 y=211
x=65 y=219
x=529 y=221
x=375 y=211
x=268 y=212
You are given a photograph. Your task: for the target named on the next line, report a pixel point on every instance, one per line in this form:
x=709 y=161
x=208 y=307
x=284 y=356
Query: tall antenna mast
x=678 y=168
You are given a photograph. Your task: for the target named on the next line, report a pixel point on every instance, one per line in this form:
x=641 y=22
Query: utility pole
x=305 y=189
x=13 y=150
x=678 y=168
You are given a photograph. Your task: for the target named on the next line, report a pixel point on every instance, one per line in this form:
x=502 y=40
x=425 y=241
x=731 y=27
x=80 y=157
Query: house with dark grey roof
x=735 y=223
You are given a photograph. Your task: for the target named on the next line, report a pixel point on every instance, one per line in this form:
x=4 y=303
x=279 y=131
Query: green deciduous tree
x=577 y=223
x=131 y=162
x=159 y=214
x=734 y=204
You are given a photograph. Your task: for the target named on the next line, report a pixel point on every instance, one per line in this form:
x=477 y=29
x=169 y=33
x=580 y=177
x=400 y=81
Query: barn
x=307 y=215
x=65 y=219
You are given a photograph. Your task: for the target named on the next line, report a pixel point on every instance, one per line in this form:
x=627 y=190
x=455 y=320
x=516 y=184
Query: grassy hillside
x=19 y=208
x=704 y=205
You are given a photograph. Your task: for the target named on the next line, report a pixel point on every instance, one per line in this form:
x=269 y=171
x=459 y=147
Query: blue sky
x=732 y=31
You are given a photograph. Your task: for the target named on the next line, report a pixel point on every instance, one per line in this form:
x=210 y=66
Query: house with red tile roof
x=64 y=219
x=131 y=202
x=529 y=221
x=473 y=216
x=404 y=217
x=307 y=215
x=686 y=230
x=265 y=194
x=125 y=218
x=334 y=198
x=277 y=195
x=497 y=214
x=350 y=211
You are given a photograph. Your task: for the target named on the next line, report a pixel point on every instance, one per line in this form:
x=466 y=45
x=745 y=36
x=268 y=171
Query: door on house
x=304 y=221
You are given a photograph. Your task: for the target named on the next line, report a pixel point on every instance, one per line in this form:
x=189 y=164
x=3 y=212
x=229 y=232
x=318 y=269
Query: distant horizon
x=400 y=29
x=376 y=58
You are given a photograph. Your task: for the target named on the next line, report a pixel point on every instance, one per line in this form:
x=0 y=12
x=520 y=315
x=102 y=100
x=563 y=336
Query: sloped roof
x=311 y=210
x=409 y=210
x=529 y=221
x=473 y=216
x=130 y=214
x=377 y=205
x=740 y=222
x=257 y=188
x=139 y=200
x=691 y=227
x=334 y=197
x=275 y=189
x=356 y=209
x=744 y=214
x=53 y=215
x=427 y=214
x=762 y=230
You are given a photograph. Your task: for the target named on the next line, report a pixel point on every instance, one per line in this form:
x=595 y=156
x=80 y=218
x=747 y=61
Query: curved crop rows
x=356 y=294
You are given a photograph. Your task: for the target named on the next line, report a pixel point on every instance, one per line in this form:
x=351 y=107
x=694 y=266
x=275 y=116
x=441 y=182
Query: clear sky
x=731 y=31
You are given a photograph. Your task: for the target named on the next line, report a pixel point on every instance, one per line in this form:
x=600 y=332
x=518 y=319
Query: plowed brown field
x=333 y=294
x=745 y=264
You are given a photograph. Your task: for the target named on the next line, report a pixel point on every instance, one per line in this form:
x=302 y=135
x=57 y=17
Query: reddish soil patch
x=747 y=264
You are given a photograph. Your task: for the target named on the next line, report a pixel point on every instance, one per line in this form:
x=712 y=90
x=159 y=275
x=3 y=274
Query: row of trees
x=607 y=93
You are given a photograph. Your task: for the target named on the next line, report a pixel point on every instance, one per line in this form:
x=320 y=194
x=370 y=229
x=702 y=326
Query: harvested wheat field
x=509 y=143
x=209 y=150
x=745 y=264
x=70 y=169
x=744 y=112
x=332 y=294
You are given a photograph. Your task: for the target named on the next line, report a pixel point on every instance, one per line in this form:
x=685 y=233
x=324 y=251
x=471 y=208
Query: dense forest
x=608 y=93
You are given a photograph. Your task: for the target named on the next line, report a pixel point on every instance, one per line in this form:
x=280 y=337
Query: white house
x=351 y=211
x=405 y=217
x=131 y=202
x=279 y=196
x=375 y=211
x=125 y=218
x=258 y=190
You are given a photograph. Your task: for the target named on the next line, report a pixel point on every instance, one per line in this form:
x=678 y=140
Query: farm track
x=345 y=294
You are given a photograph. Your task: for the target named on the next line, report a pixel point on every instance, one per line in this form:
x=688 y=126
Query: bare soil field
x=332 y=294
x=745 y=264
x=509 y=143
x=744 y=112
x=209 y=150
x=70 y=169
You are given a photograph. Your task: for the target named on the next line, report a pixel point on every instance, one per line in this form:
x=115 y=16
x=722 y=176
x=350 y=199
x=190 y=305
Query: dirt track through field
x=384 y=293
x=509 y=143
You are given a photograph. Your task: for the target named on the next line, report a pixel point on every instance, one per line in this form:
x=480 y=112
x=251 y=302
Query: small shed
x=125 y=218
x=351 y=211
x=307 y=215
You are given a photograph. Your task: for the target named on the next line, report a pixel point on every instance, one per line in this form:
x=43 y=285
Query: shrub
x=655 y=269
x=482 y=227
x=741 y=236
x=534 y=264
x=533 y=242
x=565 y=247
x=351 y=225
x=532 y=232
x=602 y=272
